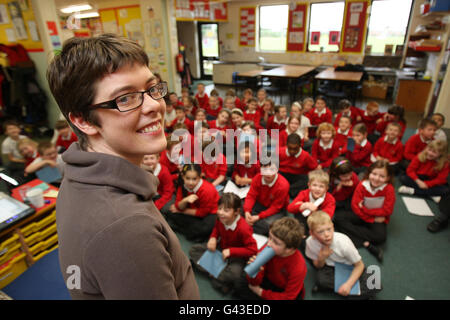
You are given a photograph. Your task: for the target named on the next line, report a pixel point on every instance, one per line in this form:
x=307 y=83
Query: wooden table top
x=251 y=73
x=288 y=71
x=330 y=74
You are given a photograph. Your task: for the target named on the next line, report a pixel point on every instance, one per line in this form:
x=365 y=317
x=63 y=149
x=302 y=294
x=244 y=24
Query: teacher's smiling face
x=137 y=130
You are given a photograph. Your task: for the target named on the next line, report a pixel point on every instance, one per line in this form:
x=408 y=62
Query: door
x=209 y=48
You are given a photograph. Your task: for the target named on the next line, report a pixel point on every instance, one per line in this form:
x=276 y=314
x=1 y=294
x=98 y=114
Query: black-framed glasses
x=133 y=100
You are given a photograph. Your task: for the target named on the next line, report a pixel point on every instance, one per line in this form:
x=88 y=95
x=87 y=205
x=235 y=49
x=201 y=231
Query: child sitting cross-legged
x=343 y=181
x=233 y=236
x=325 y=148
x=428 y=172
x=195 y=208
x=267 y=198
x=372 y=205
x=360 y=155
x=314 y=198
x=282 y=277
x=325 y=248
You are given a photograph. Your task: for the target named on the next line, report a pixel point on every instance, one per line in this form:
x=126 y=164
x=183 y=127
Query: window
x=388 y=23
x=325 y=18
x=273 y=21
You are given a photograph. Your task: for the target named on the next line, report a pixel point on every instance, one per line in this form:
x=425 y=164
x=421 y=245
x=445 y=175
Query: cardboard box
x=373 y=89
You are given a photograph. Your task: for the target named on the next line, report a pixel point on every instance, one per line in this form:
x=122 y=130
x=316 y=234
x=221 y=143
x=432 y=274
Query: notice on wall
x=296 y=27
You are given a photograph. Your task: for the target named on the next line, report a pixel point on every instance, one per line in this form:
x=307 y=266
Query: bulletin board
x=296 y=31
x=201 y=10
x=125 y=21
x=247 y=26
x=355 y=26
x=18 y=25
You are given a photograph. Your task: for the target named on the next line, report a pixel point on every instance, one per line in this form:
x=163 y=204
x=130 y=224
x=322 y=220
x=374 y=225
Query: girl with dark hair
x=195 y=208
x=343 y=182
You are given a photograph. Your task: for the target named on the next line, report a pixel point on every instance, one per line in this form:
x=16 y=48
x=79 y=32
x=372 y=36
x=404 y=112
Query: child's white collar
x=372 y=191
x=195 y=188
x=233 y=226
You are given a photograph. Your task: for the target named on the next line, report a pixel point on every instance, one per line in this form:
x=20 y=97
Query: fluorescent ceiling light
x=77 y=8
x=87 y=15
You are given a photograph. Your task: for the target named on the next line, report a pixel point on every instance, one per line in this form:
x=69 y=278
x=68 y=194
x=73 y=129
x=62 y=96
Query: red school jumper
x=286 y=273
x=414 y=146
x=324 y=156
x=208 y=199
x=274 y=198
x=64 y=142
x=202 y=101
x=360 y=157
x=345 y=192
x=165 y=187
x=391 y=151
x=217 y=168
x=368 y=215
x=427 y=168
x=328 y=205
x=301 y=163
x=240 y=241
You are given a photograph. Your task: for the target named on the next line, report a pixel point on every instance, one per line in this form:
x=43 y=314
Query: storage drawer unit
x=12 y=269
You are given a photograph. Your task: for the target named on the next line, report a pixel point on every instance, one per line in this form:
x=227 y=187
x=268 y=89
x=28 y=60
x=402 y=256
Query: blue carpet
x=42 y=281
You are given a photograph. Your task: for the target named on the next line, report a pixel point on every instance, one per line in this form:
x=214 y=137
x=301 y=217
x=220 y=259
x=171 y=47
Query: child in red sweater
x=261 y=97
x=295 y=163
x=267 y=111
x=195 y=208
x=234 y=237
x=343 y=181
x=347 y=110
x=165 y=189
x=319 y=114
x=252 y=113
x=267 y=199
x=360 y=155
x=65 y=136
x=214 y=164
x=370 y=117
x=213 y=108
x=231 y=101
x=314 y=198
x=28 y=149
x=246 y=166
x=278 y=120
x=201 y=96
x=417 y=142
x=389 y=147
x=394 y=114
x=282 y=277
x=325 y=148
x=343 y=132
x=427 y=173
x=372 y=205
x=293 y=126
x=182 y=118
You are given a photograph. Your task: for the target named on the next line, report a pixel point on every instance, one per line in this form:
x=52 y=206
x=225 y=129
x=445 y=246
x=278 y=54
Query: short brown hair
x=74 y=73
x=288 y=230
x=326 y=126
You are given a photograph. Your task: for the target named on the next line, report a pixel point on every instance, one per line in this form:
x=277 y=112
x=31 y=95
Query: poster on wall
x=354 y=26
x=247 y=27
x=201 y=10
x=4 y=18
x=315 y=37
x=334 y=37
x=296 y=27
x=17 y=20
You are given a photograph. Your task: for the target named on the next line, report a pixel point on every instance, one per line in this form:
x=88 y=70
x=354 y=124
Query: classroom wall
x=188 y=35
x=231 y=51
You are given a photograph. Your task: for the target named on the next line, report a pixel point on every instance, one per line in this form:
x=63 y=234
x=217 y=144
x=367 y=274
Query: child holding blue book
x=233 y=236
x=326 y=248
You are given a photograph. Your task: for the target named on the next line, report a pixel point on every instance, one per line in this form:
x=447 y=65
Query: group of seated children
x=329 y=175
x=26 y=157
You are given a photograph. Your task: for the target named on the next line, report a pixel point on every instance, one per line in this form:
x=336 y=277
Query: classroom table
x=291 y=73
x=346 y=78
x=48 y=206
x=252 y=78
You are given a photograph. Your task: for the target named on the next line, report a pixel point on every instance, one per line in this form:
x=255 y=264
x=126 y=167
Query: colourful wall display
x=247 y=27
x=355 y=26
x=296 y=31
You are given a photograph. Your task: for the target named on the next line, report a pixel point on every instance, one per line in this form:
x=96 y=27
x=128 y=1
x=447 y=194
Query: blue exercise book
x=49 y=174
x=212 y=262
x=341 y=274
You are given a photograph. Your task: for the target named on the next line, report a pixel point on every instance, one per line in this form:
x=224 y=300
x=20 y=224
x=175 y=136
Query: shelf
x=435 y=14
x=413 y=45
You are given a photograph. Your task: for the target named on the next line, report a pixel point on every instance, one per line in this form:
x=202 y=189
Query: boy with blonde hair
x=326 y=247
x=314 y=198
